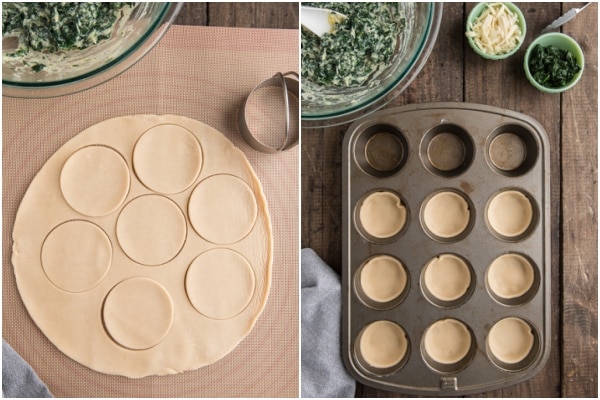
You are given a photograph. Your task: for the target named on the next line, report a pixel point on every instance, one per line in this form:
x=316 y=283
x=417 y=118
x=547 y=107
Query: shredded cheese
x=496 y=31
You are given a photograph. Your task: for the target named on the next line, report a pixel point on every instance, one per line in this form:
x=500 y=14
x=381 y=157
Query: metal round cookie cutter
x=289 y=85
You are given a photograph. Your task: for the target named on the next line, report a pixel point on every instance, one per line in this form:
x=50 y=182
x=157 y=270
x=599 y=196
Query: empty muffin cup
x=448 y=346
x=382 y=348
x=447 y=150
x=447 y=280
x=511 y=150
x=447 y=216
x=381 y=282
x=511 y=215
x=511 y=344
x=511 y=279
x=381 y=216
x=381 y=150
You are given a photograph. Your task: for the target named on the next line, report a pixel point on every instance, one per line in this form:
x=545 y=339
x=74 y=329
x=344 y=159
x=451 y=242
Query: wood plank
x=192 y=14
x=503 y=84
x=254 y=15
x=580 y=221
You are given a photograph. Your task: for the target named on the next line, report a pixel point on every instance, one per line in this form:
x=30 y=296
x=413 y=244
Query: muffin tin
x=471 y=153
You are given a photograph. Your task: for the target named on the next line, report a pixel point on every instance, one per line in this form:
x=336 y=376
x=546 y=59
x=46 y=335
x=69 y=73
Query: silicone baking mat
x=202 y=73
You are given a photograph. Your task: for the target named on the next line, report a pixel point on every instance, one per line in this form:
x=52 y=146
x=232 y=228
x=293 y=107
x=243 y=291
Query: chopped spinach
x=552 y=66
x=360 y=45
x=55 y=27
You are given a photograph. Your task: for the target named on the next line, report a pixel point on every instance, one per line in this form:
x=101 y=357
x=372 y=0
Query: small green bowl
x=564 y=42
x=477 y=11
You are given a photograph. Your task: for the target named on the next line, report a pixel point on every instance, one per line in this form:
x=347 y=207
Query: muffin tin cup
x=477 y=178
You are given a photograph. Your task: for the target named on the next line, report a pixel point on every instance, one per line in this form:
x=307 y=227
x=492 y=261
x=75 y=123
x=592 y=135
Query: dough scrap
x=95 y=180
x=382 y=214
x=510 y=276
x=222 y=209
x=76 y=256
x=138 y=313
x=220 y=283
x=447 y=341
x=446 y=214
x=167 y=158
x=510 y=340
x=145 y=228
x=510 y=213
x=383 y=344
x=447 y=277
x=383 y=278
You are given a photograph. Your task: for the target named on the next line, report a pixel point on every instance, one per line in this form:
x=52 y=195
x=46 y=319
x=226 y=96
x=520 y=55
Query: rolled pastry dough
x=510 y=276
x=510 y=340
x=383 y=344
x=110 y=264
x=447 y=341
x=382 y=214
x=510 y=213
x=447 y=277
x=446 y=214
x=383 y=278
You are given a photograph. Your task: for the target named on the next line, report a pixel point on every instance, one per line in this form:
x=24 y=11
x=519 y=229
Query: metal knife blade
x=569 y=15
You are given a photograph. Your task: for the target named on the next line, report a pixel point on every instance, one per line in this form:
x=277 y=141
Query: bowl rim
x=381 y=99
x=104 y=73
x=562 y=37
x=476 y=12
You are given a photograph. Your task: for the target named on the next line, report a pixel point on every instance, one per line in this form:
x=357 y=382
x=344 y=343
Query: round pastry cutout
x=76 y=256
x=151 y=229
x=95 y=180
x=220 y=283
x=510 y=213
x=222 y=209
x=382 y=279
x=138 y=313
x=167 y=158
x=510 y=340
x=382 y=214
x=446 y=278
x=447 y=341
x=446 y=215
x=510 y=276
x=383 y=344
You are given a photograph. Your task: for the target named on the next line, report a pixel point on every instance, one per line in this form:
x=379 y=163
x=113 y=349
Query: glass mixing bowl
x=78 y=70
x=330 y=106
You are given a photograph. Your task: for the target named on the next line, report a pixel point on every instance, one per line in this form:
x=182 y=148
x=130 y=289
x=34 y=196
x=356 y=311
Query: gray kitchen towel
x=323 y=371
x=18 y=378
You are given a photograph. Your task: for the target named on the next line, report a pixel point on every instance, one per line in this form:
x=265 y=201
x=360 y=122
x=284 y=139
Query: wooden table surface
x=455 y=73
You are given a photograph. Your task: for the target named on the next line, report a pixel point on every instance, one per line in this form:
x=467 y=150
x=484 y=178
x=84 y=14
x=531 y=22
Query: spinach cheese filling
x=359 y=46
x=58 y=27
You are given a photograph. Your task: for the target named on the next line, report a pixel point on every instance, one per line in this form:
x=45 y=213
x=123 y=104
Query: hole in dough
x=510 y=213
x=167 y=158
x=151 y=230
x=383 y=344
x=95 y=180
x=220 y=283
x=510 y=276
x=138 y=313
x=383 y=278
x=76 y=256
x=382 y=214
x=447 y=277
x=510 y=340
x=446 y=214
x=222 y=209
x=447 y=341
